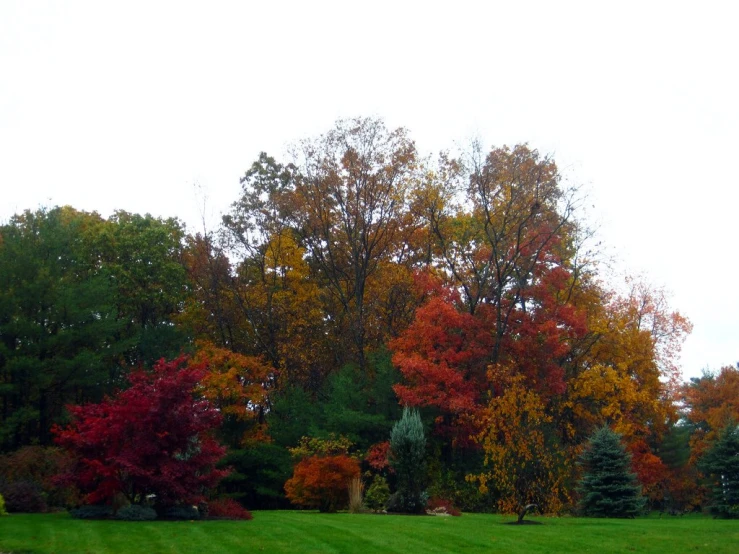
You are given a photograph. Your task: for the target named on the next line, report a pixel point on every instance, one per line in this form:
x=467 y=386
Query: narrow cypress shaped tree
x=408 y=448
x=721 y=465
x=608 y=487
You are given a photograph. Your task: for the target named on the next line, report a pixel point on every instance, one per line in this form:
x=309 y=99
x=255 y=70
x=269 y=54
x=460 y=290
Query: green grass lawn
x=286 y=531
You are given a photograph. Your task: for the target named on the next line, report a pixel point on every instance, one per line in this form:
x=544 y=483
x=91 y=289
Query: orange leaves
x=236 y=384
x=712 y=401
x=322 y=482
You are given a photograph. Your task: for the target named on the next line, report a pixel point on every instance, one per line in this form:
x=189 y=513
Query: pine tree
x=608 y=487
x=721 y=464
x=408 y=448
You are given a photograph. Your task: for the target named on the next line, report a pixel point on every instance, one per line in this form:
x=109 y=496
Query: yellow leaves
x=517 y=439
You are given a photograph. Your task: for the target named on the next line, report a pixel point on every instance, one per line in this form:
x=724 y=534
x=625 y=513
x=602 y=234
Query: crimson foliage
x=152 y=439
x=227 y=508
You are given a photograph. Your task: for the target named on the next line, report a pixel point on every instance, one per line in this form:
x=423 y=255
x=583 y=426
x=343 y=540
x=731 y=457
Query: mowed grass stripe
x=309 y=532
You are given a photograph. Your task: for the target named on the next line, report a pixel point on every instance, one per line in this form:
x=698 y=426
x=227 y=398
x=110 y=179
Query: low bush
x=136 y=512
x=227 y=508
x=377 y=494
x=93 y=511
x=23 y=496
x=184 y=511
x=322 y=482
x=441 y=506
x=43 y=466
x=3 y=511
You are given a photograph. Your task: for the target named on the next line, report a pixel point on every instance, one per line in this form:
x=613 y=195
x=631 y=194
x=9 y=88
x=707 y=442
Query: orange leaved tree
x=321 y=478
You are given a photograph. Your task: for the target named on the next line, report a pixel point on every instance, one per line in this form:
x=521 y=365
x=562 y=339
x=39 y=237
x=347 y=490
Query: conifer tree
x=721 y=464
x=608 y=487
x=408 y=449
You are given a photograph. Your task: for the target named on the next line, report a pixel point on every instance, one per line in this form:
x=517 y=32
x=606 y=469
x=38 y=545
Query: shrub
x=377 y=494
x=441 y=506
x=92 y=511
x=408 y=448
x=136 y=512
x=227 y=508
x=322 y=482
x=183 y=511
x=3 y=511
x=23 y=496
x=42 y=465
x=258 y=476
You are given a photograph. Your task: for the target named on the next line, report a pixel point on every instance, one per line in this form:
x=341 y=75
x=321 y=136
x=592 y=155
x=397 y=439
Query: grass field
x=285 y=531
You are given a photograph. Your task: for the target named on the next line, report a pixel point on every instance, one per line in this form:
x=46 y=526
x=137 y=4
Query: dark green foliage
x=258 y=475
x=136 y=512
x=293 y=415
x=23 y=496
x=608 y=487
x=377 y=495
x=721 y=465
x=408 y=454
x=93 y=511
x=183 y=511
x=81 y=299
x=674 y=449
x=362 y=405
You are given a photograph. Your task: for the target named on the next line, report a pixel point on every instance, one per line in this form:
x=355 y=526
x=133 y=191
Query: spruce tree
x=721 y=465
x=408 y=447
x=608 y=487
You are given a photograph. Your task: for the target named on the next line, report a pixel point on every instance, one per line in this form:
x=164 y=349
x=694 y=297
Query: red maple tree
x=153 y=438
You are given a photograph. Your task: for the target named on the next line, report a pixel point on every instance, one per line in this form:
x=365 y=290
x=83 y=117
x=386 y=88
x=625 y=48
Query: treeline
x=357 y=278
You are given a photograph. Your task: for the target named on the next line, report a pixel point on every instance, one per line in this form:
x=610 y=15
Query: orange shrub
x=322 y=482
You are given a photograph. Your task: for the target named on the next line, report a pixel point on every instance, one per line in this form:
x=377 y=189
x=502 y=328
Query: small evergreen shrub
x=183 y=511
x=227 y=508
x=93 y=511
x=408 y=449
x=23 y=496
x=136 y=512
x=608 y=488
x=377 y=494
x=3 y=511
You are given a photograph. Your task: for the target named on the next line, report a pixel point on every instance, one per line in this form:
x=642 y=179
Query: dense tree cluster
x=346 y=282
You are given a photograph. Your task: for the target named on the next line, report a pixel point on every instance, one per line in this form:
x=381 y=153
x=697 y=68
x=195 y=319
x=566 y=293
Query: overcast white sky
x=130 y=105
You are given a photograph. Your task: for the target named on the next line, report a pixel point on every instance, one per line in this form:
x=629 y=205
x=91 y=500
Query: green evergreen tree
x=608 y=487
x=408 y=449
x=721 y=465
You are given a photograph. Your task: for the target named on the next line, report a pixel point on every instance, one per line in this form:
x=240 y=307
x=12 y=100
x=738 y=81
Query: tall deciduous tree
x=712 y=402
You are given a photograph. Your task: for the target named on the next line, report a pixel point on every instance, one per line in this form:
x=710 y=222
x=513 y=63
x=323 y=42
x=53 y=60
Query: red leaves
x=442 y=356
x=152 y=438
